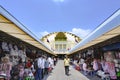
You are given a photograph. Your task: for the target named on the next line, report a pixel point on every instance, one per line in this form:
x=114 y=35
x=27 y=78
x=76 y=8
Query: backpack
x=35 y=64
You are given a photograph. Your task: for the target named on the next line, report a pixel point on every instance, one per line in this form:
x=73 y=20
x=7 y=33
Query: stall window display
x=109 y=56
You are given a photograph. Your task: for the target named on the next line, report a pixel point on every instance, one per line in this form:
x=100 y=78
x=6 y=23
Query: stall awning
x=13 y=27
x=108 y=29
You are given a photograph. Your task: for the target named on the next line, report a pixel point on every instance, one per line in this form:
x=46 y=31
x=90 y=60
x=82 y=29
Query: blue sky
x=45 y=16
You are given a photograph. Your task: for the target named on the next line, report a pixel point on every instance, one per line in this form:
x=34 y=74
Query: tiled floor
x=59 y=74
x=92 y=77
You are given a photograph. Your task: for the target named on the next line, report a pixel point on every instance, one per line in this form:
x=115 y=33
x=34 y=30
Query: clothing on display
x=5 y=46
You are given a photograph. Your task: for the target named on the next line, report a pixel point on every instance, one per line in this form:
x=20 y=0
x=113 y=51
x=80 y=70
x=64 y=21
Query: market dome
x=61 y=42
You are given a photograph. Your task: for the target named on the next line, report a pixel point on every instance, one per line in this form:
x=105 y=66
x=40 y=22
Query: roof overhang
x=104 y=37
x=13 y=27
x=108 y=29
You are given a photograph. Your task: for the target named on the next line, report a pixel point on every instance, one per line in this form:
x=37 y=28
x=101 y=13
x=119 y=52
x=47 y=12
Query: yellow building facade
x=61 y=42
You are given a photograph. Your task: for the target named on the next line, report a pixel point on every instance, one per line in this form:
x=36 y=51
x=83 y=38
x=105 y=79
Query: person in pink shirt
x=85 y=68
x=110 y=68
x=95 y=66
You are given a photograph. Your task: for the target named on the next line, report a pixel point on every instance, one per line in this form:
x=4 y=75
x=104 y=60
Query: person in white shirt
x=43 y=65
x=38 y=75
x=46 y=66
x=51 y=62
x=81 y=63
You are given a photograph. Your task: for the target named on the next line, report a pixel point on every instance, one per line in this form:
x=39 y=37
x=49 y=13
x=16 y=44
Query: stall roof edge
x=110 y=23
x=6 y=14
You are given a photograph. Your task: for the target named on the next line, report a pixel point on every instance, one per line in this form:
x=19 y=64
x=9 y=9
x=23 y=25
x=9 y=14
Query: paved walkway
x=59 y=74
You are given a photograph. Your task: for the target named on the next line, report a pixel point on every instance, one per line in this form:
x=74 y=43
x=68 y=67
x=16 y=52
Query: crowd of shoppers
x=20 y=62
x=31 y=69
x=93 y=67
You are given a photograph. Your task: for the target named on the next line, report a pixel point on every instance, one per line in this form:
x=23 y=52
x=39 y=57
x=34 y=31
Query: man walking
x=66 y=65
x=43 y=66
x=38 y=75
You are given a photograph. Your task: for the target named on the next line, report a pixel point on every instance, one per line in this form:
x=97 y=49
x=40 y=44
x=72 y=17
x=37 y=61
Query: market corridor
x=59 y=74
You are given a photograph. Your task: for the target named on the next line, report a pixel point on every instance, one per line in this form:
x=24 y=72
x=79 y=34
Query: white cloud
x=44 y=33
x=82 y=33
x=41 y=34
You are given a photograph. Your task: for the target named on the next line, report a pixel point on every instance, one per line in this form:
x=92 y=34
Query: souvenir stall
x=112 y=57
x=110 y=64
x=13 y=50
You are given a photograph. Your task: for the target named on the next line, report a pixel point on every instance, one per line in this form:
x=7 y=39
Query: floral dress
x=5 y=68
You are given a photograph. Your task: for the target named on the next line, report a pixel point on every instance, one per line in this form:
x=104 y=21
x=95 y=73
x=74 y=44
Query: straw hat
x=6 y=58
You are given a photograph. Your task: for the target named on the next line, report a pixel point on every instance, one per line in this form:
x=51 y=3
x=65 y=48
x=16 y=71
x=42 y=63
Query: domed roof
x=60 y=36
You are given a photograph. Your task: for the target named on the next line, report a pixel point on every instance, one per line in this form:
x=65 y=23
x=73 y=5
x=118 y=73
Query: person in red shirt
x=28 y=64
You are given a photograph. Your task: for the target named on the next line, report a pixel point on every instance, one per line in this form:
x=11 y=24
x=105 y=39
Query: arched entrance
x=61 y=56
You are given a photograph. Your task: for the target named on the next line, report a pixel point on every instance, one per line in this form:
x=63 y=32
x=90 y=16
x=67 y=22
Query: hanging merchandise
x=33 y=51
x=1 y=54
x=117 y=54
x=22 y=54
x=109 y=56
x=84 y=55
x=0 y=44
x=28 y=52
x=13 y=56
x=21 y=46
x=110 y=67
x=79 y=55
x=10 y=46
x=5 y=46
x=89 y=52
x=15 y=47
